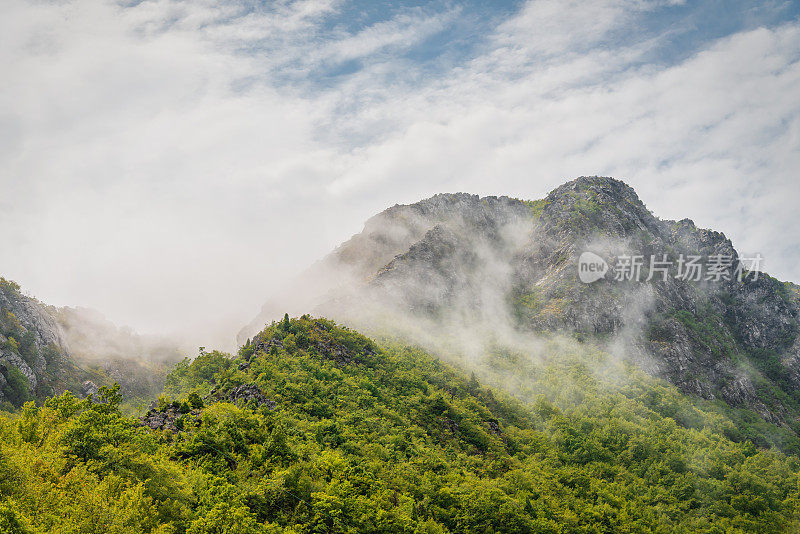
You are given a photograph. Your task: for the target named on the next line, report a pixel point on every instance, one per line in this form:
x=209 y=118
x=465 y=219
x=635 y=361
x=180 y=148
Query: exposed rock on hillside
x=31 y=343
x=462 y=264
x=54 y=349
x=245 y=394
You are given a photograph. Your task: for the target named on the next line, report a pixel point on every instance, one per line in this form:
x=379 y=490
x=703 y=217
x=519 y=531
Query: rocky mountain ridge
x=503 y=264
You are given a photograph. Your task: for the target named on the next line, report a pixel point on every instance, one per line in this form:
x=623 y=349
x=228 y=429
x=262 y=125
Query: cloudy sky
x=170 y=162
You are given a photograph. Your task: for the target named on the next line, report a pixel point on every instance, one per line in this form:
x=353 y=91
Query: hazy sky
x=169 y=162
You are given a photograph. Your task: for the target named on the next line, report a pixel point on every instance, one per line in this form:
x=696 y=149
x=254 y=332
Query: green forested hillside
x=315 y=428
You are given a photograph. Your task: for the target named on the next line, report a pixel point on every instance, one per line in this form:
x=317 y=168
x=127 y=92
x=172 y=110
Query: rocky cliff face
x=45 y=350
x=498 y=263
x=730 y=336
x=32 y=343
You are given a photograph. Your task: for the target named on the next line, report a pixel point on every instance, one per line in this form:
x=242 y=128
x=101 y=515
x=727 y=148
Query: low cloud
x=171 y=163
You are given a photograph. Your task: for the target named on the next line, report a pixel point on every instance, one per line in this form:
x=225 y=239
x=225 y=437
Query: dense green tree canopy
x=315 y=428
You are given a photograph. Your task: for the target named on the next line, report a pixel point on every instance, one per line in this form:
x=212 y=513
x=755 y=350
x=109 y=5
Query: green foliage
x=536 y=207
x=351 y=437
x=584 y=211
x=11 y=522
x=27 y=347
x=11 y=327
x=80 y=466
x=9 y=286
x=16 y=388
x=193 y=376
x=707 y=328
x=195 y=401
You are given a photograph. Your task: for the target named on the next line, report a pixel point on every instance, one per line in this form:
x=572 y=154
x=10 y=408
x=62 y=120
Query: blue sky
x=170 y=162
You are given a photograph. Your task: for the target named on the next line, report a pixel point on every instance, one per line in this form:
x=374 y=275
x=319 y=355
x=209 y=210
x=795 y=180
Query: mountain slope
x=315 y=428
x=467 y=268
x=46 y=350
x=32 y=347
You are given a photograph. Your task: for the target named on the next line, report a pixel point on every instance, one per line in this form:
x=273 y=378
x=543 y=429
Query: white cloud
x=168 y=162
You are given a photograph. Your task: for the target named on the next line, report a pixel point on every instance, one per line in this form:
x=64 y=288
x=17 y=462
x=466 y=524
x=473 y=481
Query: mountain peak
x=601 y=189
x=504 y=264
x=592 y=204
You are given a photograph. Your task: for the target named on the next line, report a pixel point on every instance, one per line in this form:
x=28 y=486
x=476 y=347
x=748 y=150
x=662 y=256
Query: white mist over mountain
x=172 y=164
